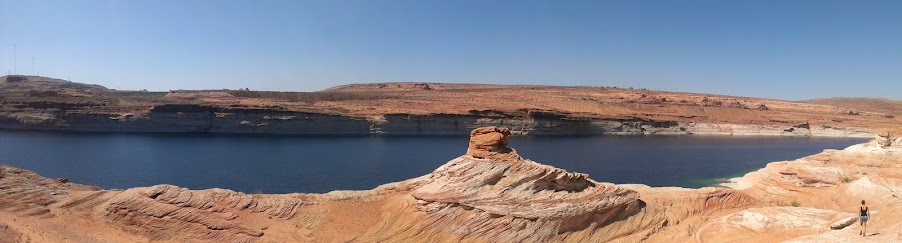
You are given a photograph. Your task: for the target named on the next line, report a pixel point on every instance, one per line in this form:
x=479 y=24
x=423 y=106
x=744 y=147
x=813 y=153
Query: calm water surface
x=282 y=164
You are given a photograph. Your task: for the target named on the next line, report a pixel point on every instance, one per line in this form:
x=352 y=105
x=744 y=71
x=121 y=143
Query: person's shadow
x=872 y=234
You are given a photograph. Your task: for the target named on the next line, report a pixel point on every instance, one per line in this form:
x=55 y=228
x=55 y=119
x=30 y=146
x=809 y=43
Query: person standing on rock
x=864 y=218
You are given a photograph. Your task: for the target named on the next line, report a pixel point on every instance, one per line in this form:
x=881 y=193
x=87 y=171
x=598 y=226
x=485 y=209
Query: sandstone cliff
x=39 y=103
x=490 y=194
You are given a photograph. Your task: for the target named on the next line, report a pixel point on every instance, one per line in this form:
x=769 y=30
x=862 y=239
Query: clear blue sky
x=778 y=49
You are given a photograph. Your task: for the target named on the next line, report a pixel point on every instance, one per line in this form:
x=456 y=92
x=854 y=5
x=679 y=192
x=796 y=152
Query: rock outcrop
x=166 y=212
x=774 y=223
x=491 y=143
x=538 y=199
x=10 y=235
x=522 y=189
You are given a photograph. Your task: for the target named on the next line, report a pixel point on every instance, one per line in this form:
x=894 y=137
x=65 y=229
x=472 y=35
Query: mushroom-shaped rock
x=491 y=143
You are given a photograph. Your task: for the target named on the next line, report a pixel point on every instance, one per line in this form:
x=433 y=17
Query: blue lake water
x=283 y=164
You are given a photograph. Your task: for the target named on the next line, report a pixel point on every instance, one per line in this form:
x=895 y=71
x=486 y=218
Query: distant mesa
x=41 y=103
x=392 y=86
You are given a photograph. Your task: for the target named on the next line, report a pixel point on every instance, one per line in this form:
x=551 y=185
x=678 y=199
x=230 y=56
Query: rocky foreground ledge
x=490 y=194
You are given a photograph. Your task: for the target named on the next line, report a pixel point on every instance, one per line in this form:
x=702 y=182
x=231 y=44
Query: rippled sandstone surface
x=489 y=194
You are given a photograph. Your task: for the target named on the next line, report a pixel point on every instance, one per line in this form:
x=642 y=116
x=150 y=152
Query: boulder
x=842 y=223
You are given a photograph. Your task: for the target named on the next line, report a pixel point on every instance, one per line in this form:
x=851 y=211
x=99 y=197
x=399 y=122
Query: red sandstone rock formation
x=491 y=143
x=166 y=212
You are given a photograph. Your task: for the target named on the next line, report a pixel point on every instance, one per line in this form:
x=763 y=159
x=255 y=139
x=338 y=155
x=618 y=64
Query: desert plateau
x=40 y=103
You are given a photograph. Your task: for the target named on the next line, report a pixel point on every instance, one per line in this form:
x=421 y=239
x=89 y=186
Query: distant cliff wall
x=193 y=118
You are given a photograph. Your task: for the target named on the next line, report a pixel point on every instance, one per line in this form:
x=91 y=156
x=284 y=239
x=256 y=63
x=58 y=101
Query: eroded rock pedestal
x=491 y=143
x=490 y=194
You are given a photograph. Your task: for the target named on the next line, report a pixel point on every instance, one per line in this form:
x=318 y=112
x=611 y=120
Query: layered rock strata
x=40 y=103
x=210 y=120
